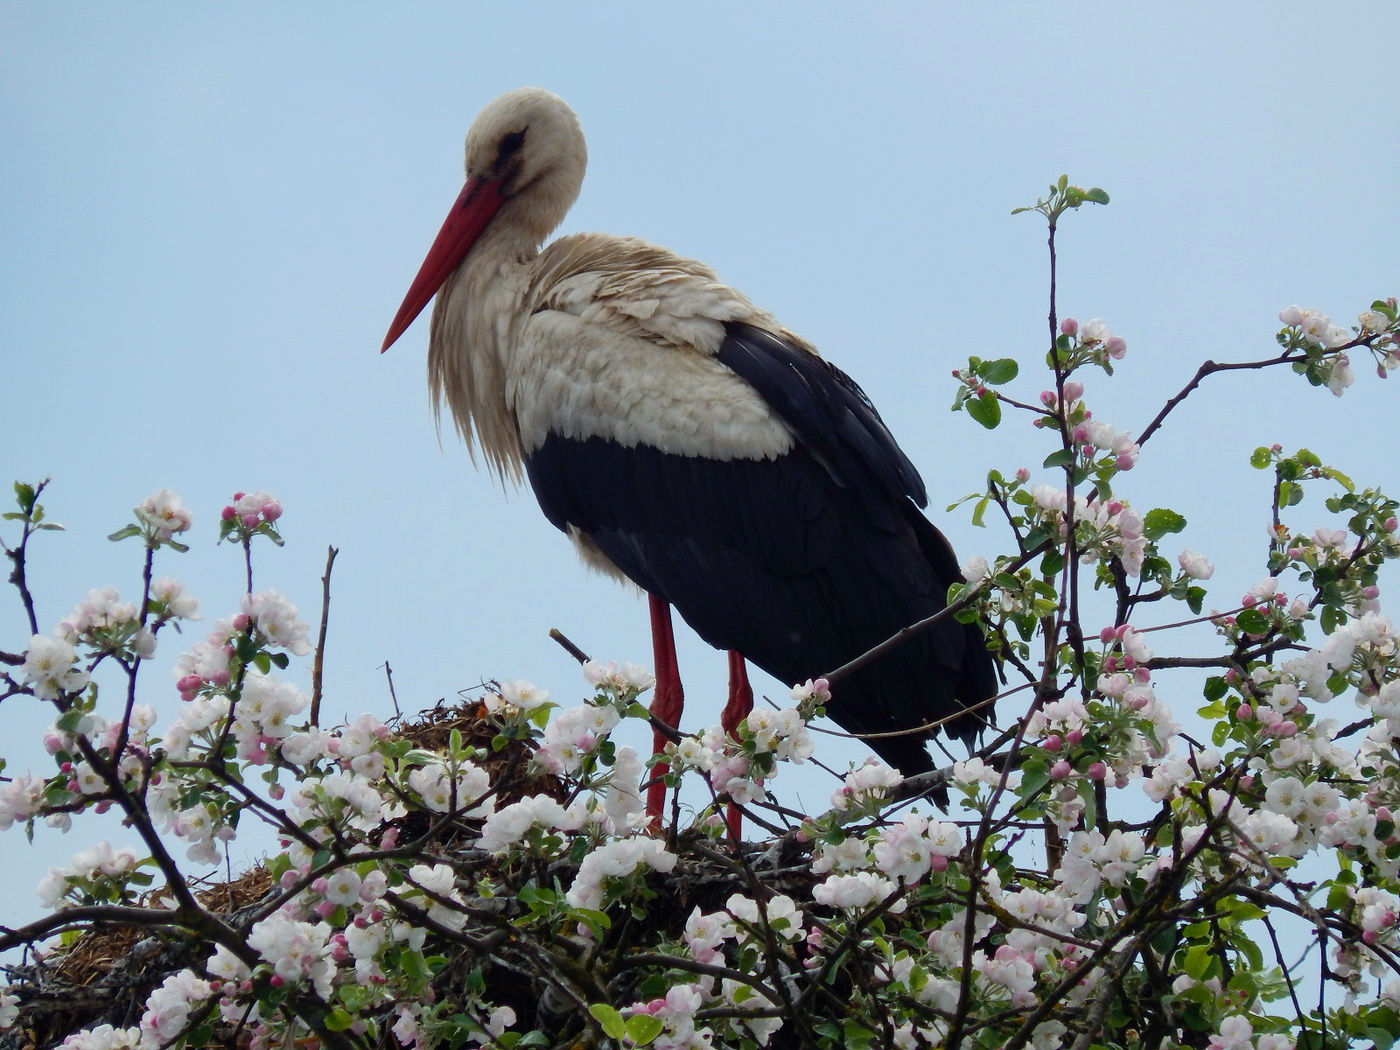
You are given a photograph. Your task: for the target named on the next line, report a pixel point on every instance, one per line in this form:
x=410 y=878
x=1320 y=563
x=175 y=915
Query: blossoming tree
x=1100 y=877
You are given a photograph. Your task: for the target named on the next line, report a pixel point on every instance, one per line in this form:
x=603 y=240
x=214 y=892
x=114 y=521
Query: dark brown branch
x=318 y=662
x=1207 y=368
x=568 y=646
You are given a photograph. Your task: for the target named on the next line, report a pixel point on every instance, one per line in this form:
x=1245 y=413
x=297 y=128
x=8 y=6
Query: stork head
x=525 y=159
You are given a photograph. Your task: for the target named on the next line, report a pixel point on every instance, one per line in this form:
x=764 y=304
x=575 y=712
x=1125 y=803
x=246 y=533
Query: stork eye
x=510 y=145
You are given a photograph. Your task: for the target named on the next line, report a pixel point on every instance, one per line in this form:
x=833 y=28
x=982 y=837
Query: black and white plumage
x=686 y=441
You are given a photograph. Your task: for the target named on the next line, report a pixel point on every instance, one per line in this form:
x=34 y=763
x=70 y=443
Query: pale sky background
x=211 y=213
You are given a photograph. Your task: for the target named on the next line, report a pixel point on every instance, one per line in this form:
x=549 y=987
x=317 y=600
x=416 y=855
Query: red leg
x=736 y=709
x=740 y=701
x=668 y=699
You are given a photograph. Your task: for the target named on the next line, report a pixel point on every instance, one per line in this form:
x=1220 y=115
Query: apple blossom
x=164 y=515
x=50 y=667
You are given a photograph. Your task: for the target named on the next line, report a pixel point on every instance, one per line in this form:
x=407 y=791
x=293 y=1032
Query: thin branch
x=318 y=662
x=1206 y=369
x=568 y=646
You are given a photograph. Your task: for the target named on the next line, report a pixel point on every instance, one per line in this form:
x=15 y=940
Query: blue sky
x=213 y=211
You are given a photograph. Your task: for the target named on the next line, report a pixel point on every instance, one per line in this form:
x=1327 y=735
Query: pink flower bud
x=1053 y=742
x=1048 y=398
x=1391 y=524
x=1107 y=635
x=1022 y=474
x=1098 y=771
x=1370 y=592
x=1116 y=347
x=1126 y=461
x=239 y=495
x=241 y=621
x=1060 y=770
x=320 y=885
x=1249 y=601
x=325 y=909
x=1073 y=737
x=938 y=862
x=1244 y=712
x=1069 y=326
x=1383 y=813
x=228 y=514
x=276 y=980
x=272 y=511
x=250 y=521
x=189 y=684
x=1286 y=729
x=1073 y=390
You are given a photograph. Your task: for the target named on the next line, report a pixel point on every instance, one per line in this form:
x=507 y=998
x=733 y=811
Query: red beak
x=476 y=204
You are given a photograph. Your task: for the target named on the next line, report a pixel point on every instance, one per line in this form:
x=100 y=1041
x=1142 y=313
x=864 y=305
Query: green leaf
x=979 y=511
x=1002 y=370
x=338 y=1020
x=1252 y=621
x=1063 y=458
x=126 y=533
x=986 y=409
x=1215 y=688
x=1158 y=523
x=643 y=1028
x=1195 y=598
x=1261 y=458
x=610 y=1019
x=1341 y=479
x=413 y=964
x=1198 y=961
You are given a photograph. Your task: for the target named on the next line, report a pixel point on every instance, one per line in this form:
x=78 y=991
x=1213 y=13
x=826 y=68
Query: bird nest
x=105 y=973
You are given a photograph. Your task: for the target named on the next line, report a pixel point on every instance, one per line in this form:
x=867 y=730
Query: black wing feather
x=801 y=563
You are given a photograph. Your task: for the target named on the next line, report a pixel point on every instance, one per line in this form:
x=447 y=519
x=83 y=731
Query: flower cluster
x=250 y=514
x=164 y=516
x=1103 y=529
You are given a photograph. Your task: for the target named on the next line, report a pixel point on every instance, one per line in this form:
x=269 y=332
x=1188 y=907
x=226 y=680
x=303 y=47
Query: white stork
x=686 y=441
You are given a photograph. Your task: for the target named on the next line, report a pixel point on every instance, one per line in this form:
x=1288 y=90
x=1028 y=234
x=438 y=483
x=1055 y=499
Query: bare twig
x=318 y=662
x=393 y=697
x=568 y=646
